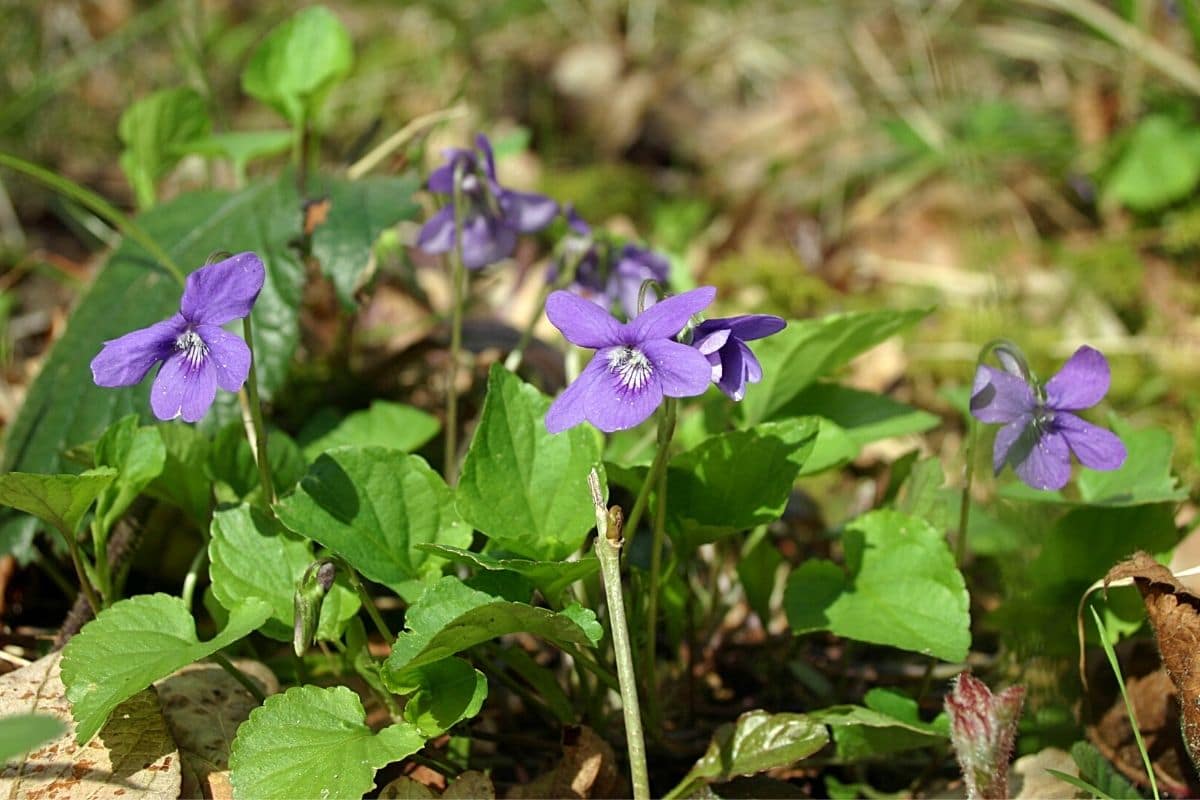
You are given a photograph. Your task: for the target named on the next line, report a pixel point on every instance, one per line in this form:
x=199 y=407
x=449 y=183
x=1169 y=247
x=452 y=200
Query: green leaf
x=864 y=416
x=385 y=424
x=889 y=724
x=736 y=480
x=359 y=212
x=1144 y=478
x=231 y=461
x=758 y=571
x=241 y=147
x=135 y=642
x=1161 y=164
x=155 y=131
x=184 y=481
x=523 y=487
x=757 y=742
x=450 y=617
x=1100 y=773
x=809 y=349
x=447 y=692
x=298 y=63
x=252 y=555
x=900 y=587
x=21 y=733
x=58 y=500
x=373 y=506
x=138 y=455
x=551 y=578
x=832 y=448
x=313 y=742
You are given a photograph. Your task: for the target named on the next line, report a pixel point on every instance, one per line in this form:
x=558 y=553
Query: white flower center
x=631 y=366
x=192 y=346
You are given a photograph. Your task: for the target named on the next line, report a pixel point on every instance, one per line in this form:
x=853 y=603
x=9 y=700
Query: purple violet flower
x=494 y=216
x=723 y=342
x=1040 y=431
x=636 y=363
x=605 y=281
x=197 y=354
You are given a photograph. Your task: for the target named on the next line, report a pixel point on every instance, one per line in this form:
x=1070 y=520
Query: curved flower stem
x=1012 y=358
x=666 y=430
x=253 y=405
x=193 y=573
x=608 y=549
x=83 y=573
x=239 y=676
x=97 y=205
x=457 y=279
x=368 y=603
x=656 y=548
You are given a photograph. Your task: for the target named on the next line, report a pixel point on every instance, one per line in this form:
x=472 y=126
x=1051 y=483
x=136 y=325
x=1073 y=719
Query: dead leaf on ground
x=588 y=769
x=470 y=785
x=133 y=755
x=1158 y=694
x=203 y=706
x=1029 y=780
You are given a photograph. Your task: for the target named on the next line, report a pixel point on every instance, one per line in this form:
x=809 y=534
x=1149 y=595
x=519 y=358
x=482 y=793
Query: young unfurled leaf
x=384 y=424
x=314 y=742
x=156 y=131
x=253 y=555
x=373 y=506
x=451 y=616
x=294 y=68
x=59 y=500
x=134 y=643
x=524 y=487
x=899 y=587
x=983 y=729
x=138 y=454
x=758 y=741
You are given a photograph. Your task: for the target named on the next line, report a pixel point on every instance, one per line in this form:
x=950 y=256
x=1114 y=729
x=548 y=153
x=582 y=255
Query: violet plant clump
x=196 y=353
x=1040 y=429
x=494 y=216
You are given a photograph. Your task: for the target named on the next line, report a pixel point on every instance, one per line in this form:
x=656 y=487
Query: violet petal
x=224 y=291
x=183 y=389
x=1000 y=397
x=486 y=241
x=611 y=406
x=682 y=370
x=1006 y=438
x=582 y=322
x=667 y=318
x=1094 y=446
x=1081 y=383
x=1047 y=463
x=753 y=368
x=125 y=360
x=748 y=327
x=229 y=355
x=569 y=408
x=437 y=234
x=711 y=342
x=527 y=212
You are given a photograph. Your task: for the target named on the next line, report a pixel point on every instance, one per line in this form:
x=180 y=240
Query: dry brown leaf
x=203 y=706
x=405 y=788
x=588 y=769
x=1029 y=780
x=133 y=755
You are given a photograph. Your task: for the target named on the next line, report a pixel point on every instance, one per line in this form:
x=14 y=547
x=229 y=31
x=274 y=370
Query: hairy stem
x=253 y=405
x=608 y=550
x=457 y=278
x=368 y=603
